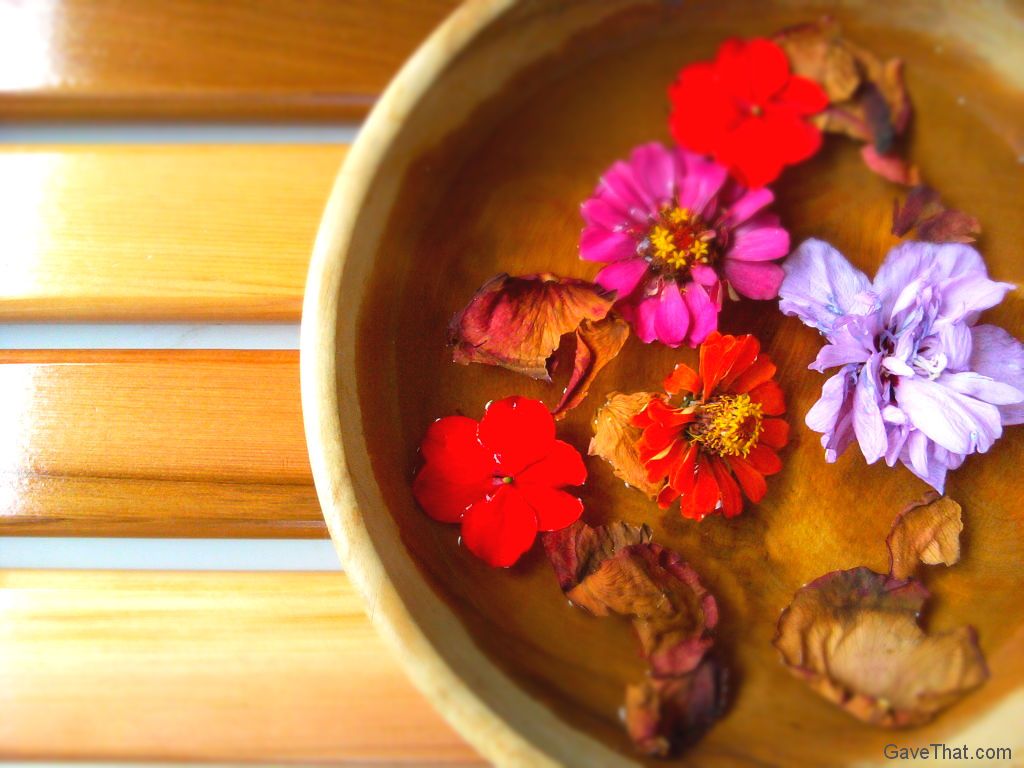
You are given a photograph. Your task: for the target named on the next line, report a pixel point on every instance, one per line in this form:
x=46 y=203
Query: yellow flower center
x=730 y=425
x=679 y=240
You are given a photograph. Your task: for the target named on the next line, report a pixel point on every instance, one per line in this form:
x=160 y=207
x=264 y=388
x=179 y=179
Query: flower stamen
x=679 y=240
x=730 y=425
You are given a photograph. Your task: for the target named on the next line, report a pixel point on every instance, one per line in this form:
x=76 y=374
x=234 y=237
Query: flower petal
x=824 y=414
x=732 y=500
x=770 y=396
x=562 y=466
x=759 y=372
x=755 y=280
x=701 y=109
x=767 y=68
x=759 y=239
x=445 y=498
x=518 y=431
x=803 y=96
x=958 y=423
x=997 y=354
x=655 y=171
x=749 y=202
x=751 y=481
x=601 y=213
x=673 y=318
x=452 y=447
x=867 y=413
x=775 y=433
x=703 y=314
x=555 y=509
x=764 y=460
x=599 y=244
x=698 y=180
x=500 y=528
x=622 y=276
x=644 y=315
x=704 y=497
x=682 y=379
x=820 y=285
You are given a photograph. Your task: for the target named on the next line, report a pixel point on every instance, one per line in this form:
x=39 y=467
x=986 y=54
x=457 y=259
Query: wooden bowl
x=475 y=163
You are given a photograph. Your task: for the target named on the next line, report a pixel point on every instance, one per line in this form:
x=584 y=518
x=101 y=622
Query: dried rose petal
x=868 y=98
x=927 y=531
x=615 y=439
x=577 y=551
x=663 y=714
x=854 y=637
x=616 y=569
x=597 y=344
x=518 y=322
x=924 y=212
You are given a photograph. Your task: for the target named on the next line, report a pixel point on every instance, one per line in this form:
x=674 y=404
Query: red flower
x=747 y=110
x=717 y=440
x=502 y=477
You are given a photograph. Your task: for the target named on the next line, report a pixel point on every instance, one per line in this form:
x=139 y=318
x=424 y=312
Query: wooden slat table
x=200 y=666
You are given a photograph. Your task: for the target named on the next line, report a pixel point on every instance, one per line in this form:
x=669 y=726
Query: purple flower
x=671 y=226
x=918 y=380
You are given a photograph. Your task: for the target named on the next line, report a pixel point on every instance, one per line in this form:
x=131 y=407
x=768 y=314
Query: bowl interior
x=498 y=190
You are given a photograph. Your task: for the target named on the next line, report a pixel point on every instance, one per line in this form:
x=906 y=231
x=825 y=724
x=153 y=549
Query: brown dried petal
x=854 y=637
x=927 y=531
x=816 y=51
x=663 y=714
x=615 y=439
x=577 y=551
x=597 y=344
x=868 y=97
x=518 y=322
x=924 y=212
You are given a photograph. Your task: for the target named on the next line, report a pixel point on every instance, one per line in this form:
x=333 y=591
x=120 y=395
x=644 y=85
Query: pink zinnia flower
x=677 y=234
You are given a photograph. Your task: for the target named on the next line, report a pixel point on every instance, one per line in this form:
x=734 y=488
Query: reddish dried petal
x=518 y=432
x=555 y=509
x=562 y=466
x=518 y=322
x=597 y=344
x=500 y=528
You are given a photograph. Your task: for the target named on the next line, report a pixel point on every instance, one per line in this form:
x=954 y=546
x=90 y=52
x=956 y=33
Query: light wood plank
x=204 y=666
x=161 y=443
x=159 y=232
x=197 y=59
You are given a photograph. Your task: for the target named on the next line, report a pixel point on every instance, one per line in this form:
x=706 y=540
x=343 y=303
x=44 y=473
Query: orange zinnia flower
x=712 y=437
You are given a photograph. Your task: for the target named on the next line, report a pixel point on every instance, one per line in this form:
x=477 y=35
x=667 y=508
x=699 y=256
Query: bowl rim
x=480 y=726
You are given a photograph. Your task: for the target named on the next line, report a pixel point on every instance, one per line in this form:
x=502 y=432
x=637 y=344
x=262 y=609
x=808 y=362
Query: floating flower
x=918 y=381
x=671 y=227
x=502 y=477
x=747 y=110
x=720 y=437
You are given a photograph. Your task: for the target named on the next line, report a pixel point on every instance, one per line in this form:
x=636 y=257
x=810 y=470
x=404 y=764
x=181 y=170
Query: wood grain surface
x=154 y=443
x=194 y=59
x=159 y=232
x=204 y=666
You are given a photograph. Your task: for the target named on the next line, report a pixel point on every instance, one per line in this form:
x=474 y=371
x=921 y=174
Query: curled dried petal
x=615 y=439
x=597 y=344
x=853 y=636
x=518 y=322
x=927 y=531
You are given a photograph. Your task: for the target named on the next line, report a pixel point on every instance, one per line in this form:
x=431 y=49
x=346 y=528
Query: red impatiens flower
x=747 y=110
x=501 y=477
x=717 y=435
